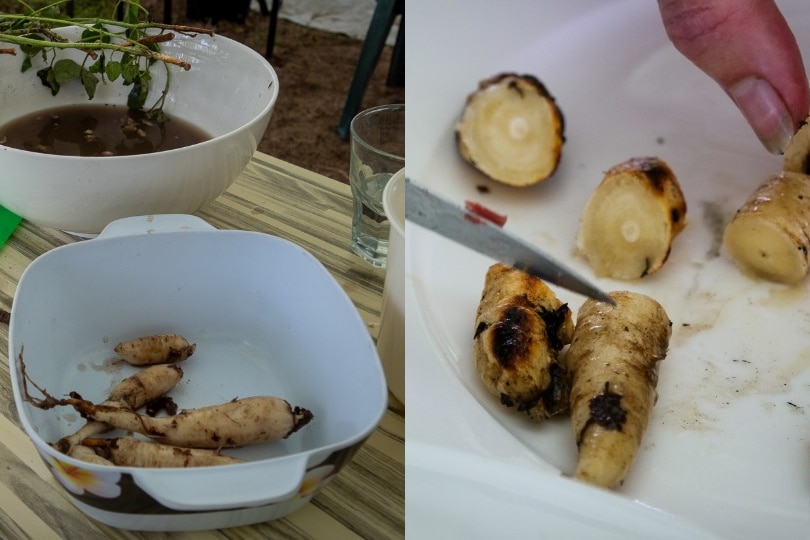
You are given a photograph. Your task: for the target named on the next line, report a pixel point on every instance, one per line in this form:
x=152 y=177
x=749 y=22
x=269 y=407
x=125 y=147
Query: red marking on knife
x=481 y=212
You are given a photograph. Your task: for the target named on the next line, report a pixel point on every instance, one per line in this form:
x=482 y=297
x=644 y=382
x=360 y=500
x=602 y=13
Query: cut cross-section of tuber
x=769 y=235
x=631 y=219
x=512 y=130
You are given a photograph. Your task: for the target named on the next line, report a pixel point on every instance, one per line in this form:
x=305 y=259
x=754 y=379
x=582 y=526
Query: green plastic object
x=8 y=223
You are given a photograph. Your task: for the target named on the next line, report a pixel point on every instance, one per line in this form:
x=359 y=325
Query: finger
x=749 y=49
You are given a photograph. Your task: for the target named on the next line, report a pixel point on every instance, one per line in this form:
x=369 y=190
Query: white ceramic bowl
x=267 y=318
x=229 y=92
x=391 y=339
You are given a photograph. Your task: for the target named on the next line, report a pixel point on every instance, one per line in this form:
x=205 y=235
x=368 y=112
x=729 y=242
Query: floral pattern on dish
x=79 y=480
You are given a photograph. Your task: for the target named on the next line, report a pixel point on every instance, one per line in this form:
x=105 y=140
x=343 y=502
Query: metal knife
x=471 y=230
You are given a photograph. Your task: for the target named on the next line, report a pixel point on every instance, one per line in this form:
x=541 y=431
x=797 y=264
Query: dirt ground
x=315 y=70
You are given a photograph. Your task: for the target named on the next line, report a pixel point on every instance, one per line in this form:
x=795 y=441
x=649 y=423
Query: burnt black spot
x=507 y=401
x=480 y=328
x=658 y=176
x=510 y=339
x=675 y=215
x=646 y=270
x=606 y=411
x=513 y=85
x=525 y=405
x=555 y=396
x=554 y=320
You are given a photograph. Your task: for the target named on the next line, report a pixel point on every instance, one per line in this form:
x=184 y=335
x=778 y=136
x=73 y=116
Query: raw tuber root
x=131 y=452
x=146 y=385
x=134 y=392
x=88 y=455
x=157 y=349
x=237 y=423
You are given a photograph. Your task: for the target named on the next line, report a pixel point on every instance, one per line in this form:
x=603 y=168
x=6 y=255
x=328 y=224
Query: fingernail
x=765 y=111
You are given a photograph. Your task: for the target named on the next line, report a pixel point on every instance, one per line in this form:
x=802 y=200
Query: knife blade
x=471 y=230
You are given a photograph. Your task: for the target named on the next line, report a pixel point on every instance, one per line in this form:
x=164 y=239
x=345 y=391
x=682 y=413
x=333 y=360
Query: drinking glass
x=377 y=152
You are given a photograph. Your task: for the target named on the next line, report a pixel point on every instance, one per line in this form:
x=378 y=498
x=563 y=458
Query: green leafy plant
x=125 y=49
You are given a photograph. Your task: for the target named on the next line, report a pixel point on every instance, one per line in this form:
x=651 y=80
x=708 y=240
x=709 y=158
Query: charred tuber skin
x=520 y=328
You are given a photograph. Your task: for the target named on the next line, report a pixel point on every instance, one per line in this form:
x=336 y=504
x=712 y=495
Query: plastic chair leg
x=271 y=31
x=396 y=71
x=378 y=30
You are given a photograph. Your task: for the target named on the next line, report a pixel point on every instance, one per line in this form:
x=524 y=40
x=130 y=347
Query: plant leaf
x=26 y=63
x=137 y=96
x=113 y=70
x=48 y=79
x=129 y=72
x=65 y=70
x=100 y=65
x=90 y=81
x=94 y=34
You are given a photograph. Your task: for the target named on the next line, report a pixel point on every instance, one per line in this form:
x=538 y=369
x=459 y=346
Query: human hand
x=747 y=47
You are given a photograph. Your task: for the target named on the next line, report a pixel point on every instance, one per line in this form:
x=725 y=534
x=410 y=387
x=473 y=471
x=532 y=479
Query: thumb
x=749 y=49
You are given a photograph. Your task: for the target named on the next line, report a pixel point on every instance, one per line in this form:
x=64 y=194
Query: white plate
x=727 y=447
x=444 y=488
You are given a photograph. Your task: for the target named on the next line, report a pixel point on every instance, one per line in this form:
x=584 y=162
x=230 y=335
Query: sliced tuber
x=512 y=130
x=631 y=219
x=769 y=235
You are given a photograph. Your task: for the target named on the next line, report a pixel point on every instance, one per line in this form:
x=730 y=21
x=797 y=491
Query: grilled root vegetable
x=613 y=360
x=797 y=155
x=631 y=219
x=157 y=349
x=512 y=130
x=236 y=423
x=520 y=327
x=769 y=235
x=131 y=452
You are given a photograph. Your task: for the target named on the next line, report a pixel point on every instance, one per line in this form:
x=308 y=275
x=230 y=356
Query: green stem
x=135 y=48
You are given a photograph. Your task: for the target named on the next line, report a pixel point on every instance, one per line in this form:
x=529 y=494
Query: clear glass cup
x=377 y=152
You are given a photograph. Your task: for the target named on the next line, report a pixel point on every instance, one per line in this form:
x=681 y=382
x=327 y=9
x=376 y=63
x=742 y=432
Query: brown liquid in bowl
x=97 y=130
